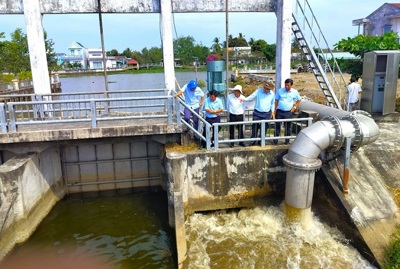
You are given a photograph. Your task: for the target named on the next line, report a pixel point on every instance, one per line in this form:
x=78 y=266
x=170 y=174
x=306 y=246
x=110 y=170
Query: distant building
x=133 y=64
x=77 y=54
x=385 y=19
x=79 y=57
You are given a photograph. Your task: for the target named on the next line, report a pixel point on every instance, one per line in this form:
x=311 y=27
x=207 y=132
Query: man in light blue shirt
x=264 y=109
x=287 y=100
x=194 y=98
x=213 y=107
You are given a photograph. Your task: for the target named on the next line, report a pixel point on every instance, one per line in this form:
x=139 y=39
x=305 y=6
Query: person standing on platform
x=263 y=108
x=287 y=100
x=352 y=91
x=194 y=98
x=235 y=108
x=213 y=107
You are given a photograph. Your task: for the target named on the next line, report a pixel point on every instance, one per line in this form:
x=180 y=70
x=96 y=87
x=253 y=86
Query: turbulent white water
x=260 y=238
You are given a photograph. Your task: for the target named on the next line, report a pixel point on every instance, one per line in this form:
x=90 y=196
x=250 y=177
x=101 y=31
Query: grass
x=392 y=254
x=182 y=148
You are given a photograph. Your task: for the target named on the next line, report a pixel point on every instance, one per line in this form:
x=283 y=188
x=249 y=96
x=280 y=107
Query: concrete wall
x=227 y=179
x=101 y=165
x=30 y=185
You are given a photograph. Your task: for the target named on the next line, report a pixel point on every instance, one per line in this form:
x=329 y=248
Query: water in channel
x=259 y=238
x=129 y=231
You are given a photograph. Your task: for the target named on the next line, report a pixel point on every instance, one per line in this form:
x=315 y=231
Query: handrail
x=202 y=120
x=87 y=109
x=263 y=130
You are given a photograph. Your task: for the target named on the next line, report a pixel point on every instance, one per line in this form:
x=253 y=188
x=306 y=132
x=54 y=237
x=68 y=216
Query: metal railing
x=267 y=128
x=84 y=107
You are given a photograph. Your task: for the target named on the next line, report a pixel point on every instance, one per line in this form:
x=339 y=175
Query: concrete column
x=176 y=169
x=283 y=42
x=15 y=84
x=167 y=41
x=37 y=48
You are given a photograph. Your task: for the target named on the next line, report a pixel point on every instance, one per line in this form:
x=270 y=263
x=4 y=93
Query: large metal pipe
x=330 y=134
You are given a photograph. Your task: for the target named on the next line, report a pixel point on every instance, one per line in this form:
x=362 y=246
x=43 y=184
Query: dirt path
x=306 y=84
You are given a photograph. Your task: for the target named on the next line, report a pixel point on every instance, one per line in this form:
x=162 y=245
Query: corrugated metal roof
x=339 y=55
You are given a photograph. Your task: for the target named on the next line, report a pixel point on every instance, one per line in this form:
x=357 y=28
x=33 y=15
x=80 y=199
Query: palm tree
x=216 y=46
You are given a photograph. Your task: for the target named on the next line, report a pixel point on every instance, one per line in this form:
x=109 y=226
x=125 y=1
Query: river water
x=125 y=82
x=132 y=231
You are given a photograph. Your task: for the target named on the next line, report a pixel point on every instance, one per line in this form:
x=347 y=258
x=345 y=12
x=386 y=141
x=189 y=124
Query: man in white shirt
x=235 y=108
x=352 y=91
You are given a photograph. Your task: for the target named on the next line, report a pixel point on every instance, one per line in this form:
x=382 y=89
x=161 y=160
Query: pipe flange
x=338 y=140
x=358 y=135
x=313 y=164
x=360 y=112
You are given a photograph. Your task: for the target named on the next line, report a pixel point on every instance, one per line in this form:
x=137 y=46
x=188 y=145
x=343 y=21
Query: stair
x=319 y=71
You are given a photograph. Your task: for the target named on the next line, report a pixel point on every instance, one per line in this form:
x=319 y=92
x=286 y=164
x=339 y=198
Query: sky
x=137 y=31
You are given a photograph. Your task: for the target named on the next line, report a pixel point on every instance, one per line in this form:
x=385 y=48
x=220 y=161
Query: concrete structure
x=31 y=184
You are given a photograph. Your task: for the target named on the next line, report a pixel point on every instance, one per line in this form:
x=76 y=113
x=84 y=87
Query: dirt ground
x=305 y=83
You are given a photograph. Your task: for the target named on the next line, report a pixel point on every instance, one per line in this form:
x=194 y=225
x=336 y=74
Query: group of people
x=268 y=105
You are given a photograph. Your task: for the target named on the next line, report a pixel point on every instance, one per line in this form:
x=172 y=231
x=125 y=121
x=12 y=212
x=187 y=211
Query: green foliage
x=6 y=78
x=392 y=254
x=183 y=49
x=351 y=66
x=25 y=75
x=269 y=51
x=362 y=44
x=14 y=54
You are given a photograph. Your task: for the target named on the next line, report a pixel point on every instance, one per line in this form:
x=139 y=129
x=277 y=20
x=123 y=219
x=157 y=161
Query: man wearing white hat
x=235 y=108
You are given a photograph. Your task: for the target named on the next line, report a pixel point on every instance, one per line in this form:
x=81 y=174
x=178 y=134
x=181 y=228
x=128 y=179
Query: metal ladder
x=320 y=72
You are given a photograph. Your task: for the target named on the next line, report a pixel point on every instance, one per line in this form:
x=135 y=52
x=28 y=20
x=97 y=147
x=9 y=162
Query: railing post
x=93 y=113
x=11 y=114
x=216 y=126
x=3 y=120
x=262 y=133
x=208 y=142
x=177 y=110
x=169 y=108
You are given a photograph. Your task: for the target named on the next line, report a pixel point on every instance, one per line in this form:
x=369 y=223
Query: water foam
x=260 y=238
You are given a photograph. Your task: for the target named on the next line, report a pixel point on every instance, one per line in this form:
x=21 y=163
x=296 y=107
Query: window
x=387 y=28
x=97 y=65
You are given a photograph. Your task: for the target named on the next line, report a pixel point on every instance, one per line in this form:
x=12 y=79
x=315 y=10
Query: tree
x=15 y=53
x=216 y=46
x=201 y=52
x=50 y=55
x=127 y=52
x=183 y=49
x=137 y=56
x=155 y=55
x=112 y=52
x=362 y=44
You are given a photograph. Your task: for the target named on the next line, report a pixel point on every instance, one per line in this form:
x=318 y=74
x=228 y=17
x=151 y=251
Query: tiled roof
x=132 y=61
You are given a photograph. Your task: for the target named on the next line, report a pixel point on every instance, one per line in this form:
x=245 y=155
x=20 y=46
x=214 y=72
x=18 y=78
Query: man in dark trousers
x=287 y=100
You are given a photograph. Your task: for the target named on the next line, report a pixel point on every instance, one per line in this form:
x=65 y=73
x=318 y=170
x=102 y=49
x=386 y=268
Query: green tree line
x=14 y=55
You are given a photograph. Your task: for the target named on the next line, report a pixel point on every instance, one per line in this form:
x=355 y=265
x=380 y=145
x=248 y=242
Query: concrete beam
x=139 y=6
